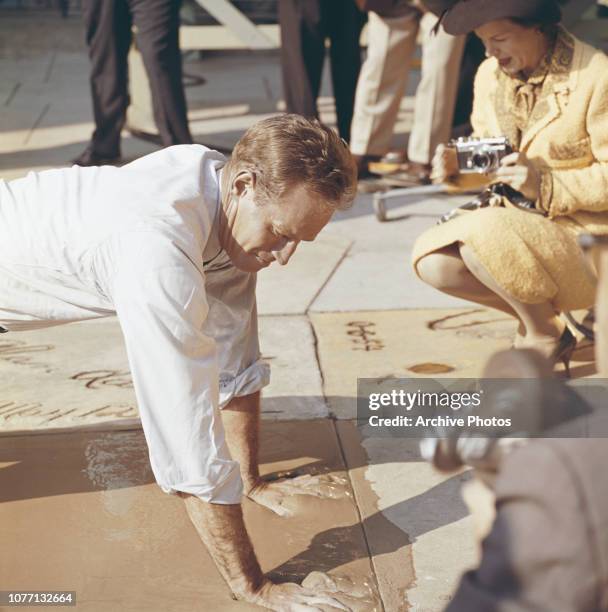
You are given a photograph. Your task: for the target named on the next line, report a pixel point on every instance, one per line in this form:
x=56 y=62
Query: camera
x=521 y=400
x=480 y=155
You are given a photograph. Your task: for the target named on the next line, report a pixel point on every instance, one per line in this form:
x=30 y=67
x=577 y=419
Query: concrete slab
x=78 y=375
x=454 y=343
x=31 y=69
x=122 y=544
x=66 y=376
x=378 y=281
x=377 y=273
x=32 y=34
x=296 y=387
x=429 y=507
x=291 y=289
x=416 y=524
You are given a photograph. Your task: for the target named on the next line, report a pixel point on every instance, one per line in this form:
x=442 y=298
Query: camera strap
x=490 y=193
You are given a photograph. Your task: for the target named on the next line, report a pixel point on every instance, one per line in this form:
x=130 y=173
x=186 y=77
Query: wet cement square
x=81 y=512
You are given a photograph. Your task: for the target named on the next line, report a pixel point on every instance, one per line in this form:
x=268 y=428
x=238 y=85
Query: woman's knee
x=442 y=270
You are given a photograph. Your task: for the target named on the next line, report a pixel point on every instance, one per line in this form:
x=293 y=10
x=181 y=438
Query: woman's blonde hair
x=285 y=151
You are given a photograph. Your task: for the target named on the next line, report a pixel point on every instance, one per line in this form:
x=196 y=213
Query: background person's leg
x=157 y=23
x=391 y=42
x=302 y=54
x=436 y=93
x=343 y=22
x=474 y=53
x=108 y=36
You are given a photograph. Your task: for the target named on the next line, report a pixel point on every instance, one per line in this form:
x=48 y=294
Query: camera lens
x=483 y=161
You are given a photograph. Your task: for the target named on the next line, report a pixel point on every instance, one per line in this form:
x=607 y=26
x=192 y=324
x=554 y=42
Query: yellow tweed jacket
x=566 y=136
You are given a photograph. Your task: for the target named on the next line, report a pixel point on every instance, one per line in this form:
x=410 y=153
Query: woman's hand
x=520 y=173
x=445 y=164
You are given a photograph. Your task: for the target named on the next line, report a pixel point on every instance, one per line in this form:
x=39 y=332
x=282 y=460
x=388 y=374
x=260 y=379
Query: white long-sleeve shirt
x=141 y=242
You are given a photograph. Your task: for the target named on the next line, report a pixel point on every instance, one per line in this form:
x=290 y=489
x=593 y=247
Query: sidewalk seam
x=343 y=456
x=329 y=277
x=359 y=515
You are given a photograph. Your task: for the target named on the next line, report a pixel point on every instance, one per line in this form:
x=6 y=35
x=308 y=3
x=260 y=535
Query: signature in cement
x=21 y=353
x=11 y=409
x=459 y=323
x=96 y=379
x=361 y=333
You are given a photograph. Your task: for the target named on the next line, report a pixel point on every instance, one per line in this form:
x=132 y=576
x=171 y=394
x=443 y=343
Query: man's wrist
x=251 y=483
x=248 y=589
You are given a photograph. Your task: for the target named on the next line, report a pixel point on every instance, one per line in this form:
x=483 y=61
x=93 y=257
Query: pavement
x=79 y=509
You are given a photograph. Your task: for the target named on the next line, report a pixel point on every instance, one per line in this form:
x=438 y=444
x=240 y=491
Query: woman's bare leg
x=446 y=271
x=542 y=325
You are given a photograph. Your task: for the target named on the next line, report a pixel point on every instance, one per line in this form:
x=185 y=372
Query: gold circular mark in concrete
x=430 y=368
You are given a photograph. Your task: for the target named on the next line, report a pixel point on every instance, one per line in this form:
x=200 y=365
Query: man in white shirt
x=171 y=244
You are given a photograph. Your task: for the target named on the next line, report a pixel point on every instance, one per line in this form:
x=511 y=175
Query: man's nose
x=284 y=255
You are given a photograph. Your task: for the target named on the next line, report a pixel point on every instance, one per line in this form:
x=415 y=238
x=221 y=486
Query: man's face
x=259 y=234
x=517 y=49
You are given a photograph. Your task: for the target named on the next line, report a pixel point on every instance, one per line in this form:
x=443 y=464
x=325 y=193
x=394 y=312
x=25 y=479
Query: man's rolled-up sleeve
x=232 y=322
x=159 y=297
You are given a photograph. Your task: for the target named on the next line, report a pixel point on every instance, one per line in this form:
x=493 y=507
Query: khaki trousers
x=381 y=85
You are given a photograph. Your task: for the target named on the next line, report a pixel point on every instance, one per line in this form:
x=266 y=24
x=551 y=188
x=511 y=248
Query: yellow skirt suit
x=559 y=119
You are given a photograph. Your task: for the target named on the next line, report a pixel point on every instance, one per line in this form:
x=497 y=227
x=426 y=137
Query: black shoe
x=564 y=349
x=147 y=136
x=89 y=158
x=362 y=162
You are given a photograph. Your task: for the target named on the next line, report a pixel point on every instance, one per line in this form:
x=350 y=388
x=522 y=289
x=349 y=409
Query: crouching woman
x=548 y=93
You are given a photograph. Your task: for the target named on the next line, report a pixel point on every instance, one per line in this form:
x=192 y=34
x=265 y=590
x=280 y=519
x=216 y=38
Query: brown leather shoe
x=412 y=173
x=409 y=174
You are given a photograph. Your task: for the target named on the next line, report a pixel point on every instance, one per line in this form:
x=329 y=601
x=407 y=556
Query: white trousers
x=381 y=85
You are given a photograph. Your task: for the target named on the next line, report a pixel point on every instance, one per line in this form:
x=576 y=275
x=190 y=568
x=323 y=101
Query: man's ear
x=244 y=180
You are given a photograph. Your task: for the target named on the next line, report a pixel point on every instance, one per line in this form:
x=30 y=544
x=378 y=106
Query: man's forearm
x=223 y=532
x=241 y=419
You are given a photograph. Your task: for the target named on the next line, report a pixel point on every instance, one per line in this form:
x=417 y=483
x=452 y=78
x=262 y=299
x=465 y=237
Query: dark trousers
x=474 y=53
x=305 y=25
x=108 y=34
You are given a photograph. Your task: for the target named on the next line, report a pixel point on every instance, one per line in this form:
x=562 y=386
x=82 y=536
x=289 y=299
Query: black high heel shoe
x=564 y=349
x=562 y=352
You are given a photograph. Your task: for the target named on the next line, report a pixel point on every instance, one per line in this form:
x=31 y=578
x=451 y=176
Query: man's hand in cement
x=278 y=496
x=241 y=419
x=222 y=530
x=290 y=597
